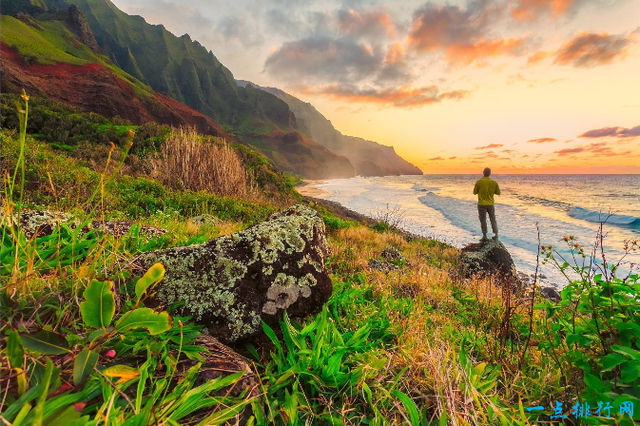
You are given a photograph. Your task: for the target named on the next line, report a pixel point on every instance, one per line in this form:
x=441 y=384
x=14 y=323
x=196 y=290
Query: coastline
x=309 y=191
x=308 y=188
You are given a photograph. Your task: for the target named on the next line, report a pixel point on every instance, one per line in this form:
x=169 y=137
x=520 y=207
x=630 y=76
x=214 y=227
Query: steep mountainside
x=47 y=54
x=178 y=67
x=44 y=57
x=369 y=158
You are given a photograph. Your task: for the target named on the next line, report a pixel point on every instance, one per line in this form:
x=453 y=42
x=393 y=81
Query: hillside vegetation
x=402 y=340
x=369 y=158
x=46 y=54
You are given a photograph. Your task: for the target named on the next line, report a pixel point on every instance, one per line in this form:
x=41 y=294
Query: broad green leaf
x=593 y=381
x=609 y=362
x=155 y=323
x=630 y=371
x=15 y=353
x=150 y=278
x=414 y=414
x=83 y=365
x=46 y=343
x=99 y=306
x=630 y=352
x=124 y=372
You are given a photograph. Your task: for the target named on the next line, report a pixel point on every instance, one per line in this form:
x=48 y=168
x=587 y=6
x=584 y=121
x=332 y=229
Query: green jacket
x=486 y=188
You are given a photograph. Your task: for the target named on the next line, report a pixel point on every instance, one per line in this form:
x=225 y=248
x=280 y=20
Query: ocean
x=443 y=207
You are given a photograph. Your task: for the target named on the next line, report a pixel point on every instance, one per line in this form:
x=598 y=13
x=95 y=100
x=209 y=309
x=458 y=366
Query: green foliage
x=35 y=45
x=335 y=356
x=594 y=331
x=99 y=305
x=64 y=127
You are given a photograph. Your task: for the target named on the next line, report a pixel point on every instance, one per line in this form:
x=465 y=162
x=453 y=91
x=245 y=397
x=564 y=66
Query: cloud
x=586 y=50
x=493 y=145
x=597 y=149
x=542 y=140
x=462 y=34
x=399 y=97
x=365 y=23
x=568 y=151
x=530 y=10
x=436 y=159
x=235 y=27
x=538 y=57
x=324 y=60
x=619 y=132
x=452 y=158
x=395 y=68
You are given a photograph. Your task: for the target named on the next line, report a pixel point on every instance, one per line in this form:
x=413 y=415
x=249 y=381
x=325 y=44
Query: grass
x=410 y=345
x=38 y=46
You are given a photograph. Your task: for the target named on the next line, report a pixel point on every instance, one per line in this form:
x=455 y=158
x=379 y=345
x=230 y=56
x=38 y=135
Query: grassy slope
x=53 y=43
x=45 y=47
x=408 y=343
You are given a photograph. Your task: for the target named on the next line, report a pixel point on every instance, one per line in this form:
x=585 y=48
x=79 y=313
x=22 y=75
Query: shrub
x=189 y=161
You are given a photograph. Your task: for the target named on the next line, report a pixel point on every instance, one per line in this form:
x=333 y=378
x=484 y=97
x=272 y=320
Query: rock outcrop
x=43 y=223
x=486 y=259
x=551 y=294
x=78 y=24
x=233 y=283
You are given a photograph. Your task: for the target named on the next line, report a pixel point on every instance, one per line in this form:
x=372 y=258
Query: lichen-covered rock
x=119 y=228
x=390 y=260
x=40 y=222
x=551 y=294
x=43 y=222
x=232 y=283
x=489 y=258
x=392 y=254
x=205 y=219
x=382 y=265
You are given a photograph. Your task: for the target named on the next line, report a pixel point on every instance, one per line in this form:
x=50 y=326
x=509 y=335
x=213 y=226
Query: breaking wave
x=609 y=218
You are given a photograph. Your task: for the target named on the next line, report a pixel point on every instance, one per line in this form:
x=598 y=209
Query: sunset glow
x=523 y=86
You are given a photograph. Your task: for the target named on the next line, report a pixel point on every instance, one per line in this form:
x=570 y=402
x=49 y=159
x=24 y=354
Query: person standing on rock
x=486 y=188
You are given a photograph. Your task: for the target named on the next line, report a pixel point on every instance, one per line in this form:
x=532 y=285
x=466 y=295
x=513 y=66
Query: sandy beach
x=308 y=188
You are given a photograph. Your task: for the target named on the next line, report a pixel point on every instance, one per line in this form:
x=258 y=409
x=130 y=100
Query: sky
x=521 y=86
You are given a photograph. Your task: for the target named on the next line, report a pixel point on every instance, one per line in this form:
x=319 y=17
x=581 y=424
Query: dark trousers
x=482 y=214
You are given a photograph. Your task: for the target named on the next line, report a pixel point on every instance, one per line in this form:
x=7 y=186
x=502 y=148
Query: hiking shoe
x=495 y=238
x=484 y=239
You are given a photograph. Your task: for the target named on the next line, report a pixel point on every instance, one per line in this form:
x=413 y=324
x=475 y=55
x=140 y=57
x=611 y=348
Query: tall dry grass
x=189 y=161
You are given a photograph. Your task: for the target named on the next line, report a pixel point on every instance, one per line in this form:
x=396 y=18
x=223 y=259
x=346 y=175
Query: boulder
x=390 y=260
x=551 y=294
x=490 y=258
x=233 y=283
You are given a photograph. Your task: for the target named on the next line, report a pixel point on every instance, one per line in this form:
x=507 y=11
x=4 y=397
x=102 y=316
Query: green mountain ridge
x=178 y=67
x=369 y=158
x=47 y=37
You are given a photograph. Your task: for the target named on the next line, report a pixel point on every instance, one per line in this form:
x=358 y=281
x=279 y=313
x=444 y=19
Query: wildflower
x=110 y=353
x=113 y=146
x=576 y=245
x=565 y=239
x=131 y=133
x=24 y=96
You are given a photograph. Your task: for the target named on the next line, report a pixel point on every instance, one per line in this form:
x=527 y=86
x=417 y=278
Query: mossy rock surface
x=486 y=259
x=233 y=283
x=44 y=222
